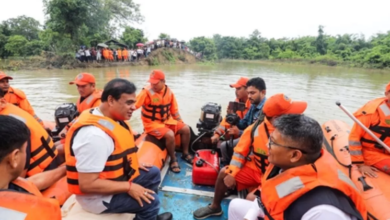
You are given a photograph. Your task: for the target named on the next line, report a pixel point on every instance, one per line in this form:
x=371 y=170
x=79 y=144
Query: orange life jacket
x=160 y=107
x=256 y=155
x=89 y=102
x=119 y=53
x=18 y=98
x=27 y=206
x=364 y=144
x=223 y=126
x=280 y=191
x=122 y=165
x=43 y=150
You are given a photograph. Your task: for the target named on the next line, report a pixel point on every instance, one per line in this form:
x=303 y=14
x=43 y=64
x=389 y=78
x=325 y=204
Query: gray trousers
x=227 y=150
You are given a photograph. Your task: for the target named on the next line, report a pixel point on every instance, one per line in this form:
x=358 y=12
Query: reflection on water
x=194 y=85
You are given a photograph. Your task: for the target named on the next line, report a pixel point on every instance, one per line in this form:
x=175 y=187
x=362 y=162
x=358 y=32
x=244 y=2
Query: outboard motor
x=63 y=114
x=210 y=117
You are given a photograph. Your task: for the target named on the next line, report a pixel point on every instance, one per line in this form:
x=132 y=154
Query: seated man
x=89 y=94
x=16 y=96
x=161 y=119
x=256 y=90
x=302 y=181
x=41 y=153
x=365 y=151
x=248 y=165
x=101 y=160
x=242 y=97
x=20 y=198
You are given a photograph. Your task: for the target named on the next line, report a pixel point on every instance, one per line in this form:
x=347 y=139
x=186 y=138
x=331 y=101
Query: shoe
x=165 y=216
x=206 y=212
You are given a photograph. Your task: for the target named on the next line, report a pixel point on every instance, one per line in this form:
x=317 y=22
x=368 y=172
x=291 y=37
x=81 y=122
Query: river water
x=196 y=84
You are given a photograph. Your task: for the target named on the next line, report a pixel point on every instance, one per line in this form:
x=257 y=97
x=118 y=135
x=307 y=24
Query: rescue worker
x=302 y=181
x=256 y=90
x=41 y=152
x=89 y=98
x=161 y=119
x=21 y=198
x=125 y=54
x=366 y=153
x=119 y=54
x=89 y=94
x=16 y=96
x=242 y=97
x=250 y=155
x=102 y=165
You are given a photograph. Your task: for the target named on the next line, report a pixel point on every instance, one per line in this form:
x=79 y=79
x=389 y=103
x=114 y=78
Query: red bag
x=205 y=168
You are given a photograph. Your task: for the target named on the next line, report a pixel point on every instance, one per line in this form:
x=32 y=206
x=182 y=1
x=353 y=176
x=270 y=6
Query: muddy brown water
x=196 y=84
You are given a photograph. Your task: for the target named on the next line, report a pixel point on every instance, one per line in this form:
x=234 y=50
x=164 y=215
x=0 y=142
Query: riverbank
x=162 y=56
x=313 y=63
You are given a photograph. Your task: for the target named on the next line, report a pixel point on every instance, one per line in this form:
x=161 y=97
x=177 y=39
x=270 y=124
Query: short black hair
x=257 y=82
x=303 y=130
x=2 y=94
x=13 y=134
x=116 y=88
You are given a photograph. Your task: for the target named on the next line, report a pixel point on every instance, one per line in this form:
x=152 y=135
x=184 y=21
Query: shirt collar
x=261 y=104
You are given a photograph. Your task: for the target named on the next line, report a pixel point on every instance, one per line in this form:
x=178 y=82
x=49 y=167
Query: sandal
x=187 y=159
x=171 y=168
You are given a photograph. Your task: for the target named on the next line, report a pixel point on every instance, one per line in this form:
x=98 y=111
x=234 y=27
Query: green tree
x=16 y=45
x=320 y=42
x=206 y=46
x=24 y=26
x=164 y=36
x=131 y=36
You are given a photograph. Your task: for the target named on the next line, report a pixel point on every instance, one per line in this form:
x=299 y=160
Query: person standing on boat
x=41 y=153
x=16 y=96
x=302 y=180
x=256 y=91
x=161 y=118
x=102 y=163
x=242 y=97
x=21 y=198
x=250 y=155
x=365 y=151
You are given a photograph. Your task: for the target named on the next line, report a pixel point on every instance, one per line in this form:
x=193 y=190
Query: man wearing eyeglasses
x=250 y=157
x=302 y=181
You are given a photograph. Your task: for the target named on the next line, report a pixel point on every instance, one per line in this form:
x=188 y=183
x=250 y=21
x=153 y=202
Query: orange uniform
x=223 y=126
x=280 y=190
x=122 y=165
x=18 y=98
x=250 y=157
x=375 y=115
x=119 y=54
x=43 y=150
x=160 y=111
x=125 y=54
x=91 y=101
x=28 y=205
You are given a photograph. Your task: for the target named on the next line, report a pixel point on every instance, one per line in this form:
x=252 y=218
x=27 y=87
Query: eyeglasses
x=270 y=142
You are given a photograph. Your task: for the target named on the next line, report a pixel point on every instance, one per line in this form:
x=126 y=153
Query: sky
x=185 y=19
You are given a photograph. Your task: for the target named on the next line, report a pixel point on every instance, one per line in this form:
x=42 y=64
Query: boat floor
x=181 y=197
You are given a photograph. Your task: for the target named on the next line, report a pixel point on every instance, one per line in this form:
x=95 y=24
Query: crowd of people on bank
x=119 y=53
x=277 y=153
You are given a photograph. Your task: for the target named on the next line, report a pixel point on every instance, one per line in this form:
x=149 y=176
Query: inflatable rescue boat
x=375 y=191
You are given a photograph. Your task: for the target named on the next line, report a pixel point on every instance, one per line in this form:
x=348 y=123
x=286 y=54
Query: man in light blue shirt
x=256 y=94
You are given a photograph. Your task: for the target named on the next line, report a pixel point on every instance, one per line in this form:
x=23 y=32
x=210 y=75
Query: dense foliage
x=350 y=49
x=72 y=23
x=69 y=24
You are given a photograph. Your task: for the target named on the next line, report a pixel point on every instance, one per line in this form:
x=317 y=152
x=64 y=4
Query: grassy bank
x=162 y=56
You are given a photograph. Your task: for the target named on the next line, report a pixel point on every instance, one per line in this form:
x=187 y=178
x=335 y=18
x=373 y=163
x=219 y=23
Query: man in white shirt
x=302 y=181
x=101 y=159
